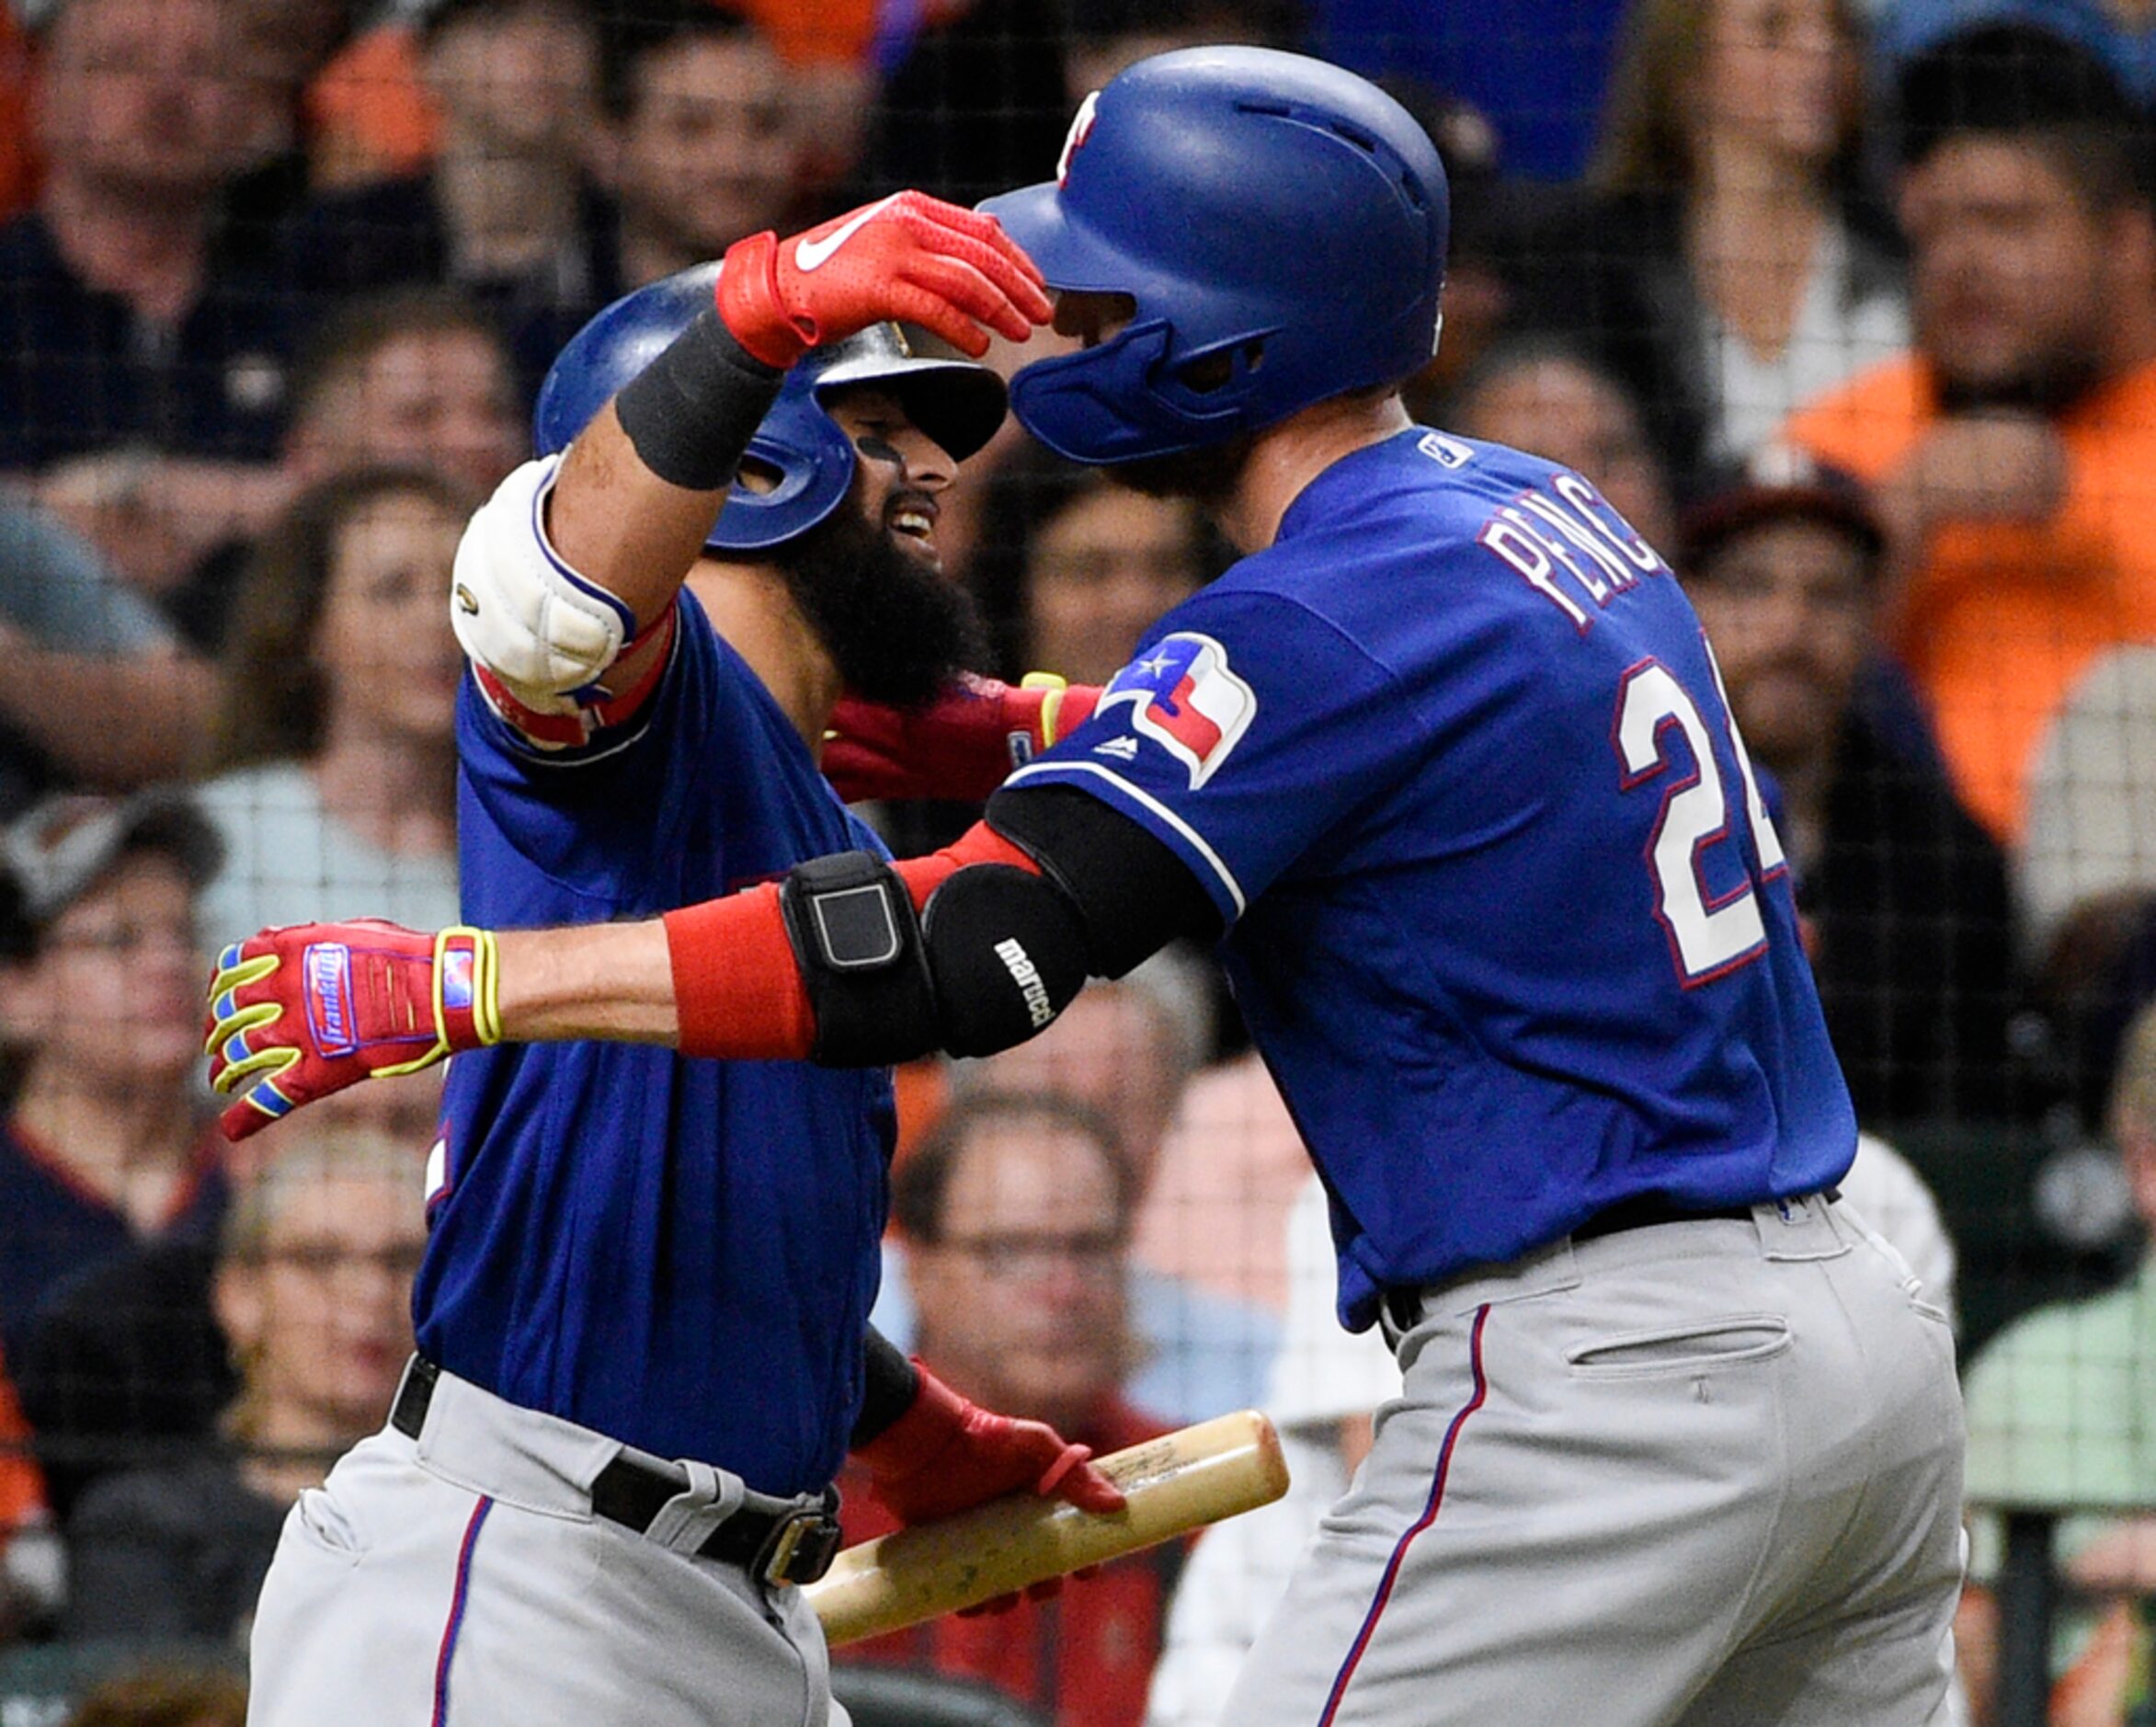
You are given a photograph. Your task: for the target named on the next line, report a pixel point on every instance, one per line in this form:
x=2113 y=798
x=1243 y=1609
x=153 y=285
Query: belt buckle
x=801 y=1546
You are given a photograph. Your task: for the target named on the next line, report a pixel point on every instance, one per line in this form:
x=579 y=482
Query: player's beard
x=898 y=630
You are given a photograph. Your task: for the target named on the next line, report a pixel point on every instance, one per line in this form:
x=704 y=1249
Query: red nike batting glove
x=947 y=1454
x=961 y=745
x=298 y=1012
x=909 y=256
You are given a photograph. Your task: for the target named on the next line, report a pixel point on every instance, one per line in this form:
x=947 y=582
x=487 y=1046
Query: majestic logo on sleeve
x=1183 y=696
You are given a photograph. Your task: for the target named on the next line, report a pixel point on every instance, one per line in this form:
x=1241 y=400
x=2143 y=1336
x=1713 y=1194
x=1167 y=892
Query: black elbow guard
x=1131 y=895
x=1000 y=954
x=1007 y=952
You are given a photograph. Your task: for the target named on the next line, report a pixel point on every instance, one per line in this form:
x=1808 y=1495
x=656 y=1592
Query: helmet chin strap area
x=1116 y=401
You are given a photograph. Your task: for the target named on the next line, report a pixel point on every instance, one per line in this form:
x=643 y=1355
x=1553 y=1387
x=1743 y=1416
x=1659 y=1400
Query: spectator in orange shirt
x=367 y=112
x=2014 y=451
x=22 y=1486
x=1017 y=1211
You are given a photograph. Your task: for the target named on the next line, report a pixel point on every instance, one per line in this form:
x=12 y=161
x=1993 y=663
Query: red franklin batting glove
x=946 y=1454
x=908 y=255
x=298 y=1012
x=961 y=745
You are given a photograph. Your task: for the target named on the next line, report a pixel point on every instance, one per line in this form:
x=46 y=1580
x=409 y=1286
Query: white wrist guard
x=521 y=613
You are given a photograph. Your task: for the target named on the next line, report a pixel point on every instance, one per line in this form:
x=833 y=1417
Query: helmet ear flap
x=809 y=464
x=758 y=477
x=1208 y=374
x=1122 y=401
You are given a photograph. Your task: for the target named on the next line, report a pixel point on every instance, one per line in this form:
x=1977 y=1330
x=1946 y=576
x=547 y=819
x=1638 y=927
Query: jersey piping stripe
x=582 y=584
x=1148 y=800
x=1428 y=1516
x=456 y=1621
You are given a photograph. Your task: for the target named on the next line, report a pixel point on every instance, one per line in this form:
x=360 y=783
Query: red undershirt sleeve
x=573 y=725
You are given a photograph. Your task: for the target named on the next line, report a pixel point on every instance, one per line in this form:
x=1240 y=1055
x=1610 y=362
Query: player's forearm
x=622 y=527
x=643 y=484
x=738 y=979
x=720 y=979
x=856 y=962
x=625 y=983
x=611 y=981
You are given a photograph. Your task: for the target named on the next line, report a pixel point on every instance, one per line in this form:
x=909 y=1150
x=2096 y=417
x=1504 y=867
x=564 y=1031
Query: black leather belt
x=1403 y=1303
x=1644 y=1210
x=781 y=1540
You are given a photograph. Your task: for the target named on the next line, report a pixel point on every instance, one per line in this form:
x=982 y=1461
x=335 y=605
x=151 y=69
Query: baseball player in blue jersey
x=1445 y=762
x=642 y=1311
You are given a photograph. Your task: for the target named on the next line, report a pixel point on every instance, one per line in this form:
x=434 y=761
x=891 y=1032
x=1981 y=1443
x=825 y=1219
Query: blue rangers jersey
x=679 y=1254
x=1507 y=916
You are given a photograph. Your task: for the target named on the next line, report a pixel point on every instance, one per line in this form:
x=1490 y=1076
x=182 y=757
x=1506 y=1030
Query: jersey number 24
x=1708 y=937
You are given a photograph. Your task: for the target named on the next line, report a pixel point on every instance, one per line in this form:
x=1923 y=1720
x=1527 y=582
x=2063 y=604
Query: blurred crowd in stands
x=1848 y=305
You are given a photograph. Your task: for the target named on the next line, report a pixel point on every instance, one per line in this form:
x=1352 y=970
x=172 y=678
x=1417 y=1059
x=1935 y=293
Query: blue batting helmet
x=1281 y=224
x=957 y=403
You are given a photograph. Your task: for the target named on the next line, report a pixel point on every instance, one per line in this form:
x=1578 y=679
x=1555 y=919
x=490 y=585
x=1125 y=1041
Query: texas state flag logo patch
x=1184 y=697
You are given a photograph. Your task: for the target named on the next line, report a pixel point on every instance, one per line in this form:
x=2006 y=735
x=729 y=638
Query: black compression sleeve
x=691 y=412
x=889 y=1384
x=1134 y=896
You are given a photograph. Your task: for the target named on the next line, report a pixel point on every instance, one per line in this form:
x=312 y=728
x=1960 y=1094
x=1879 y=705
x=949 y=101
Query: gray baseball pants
x=1699 y=1474
x=461 y=1580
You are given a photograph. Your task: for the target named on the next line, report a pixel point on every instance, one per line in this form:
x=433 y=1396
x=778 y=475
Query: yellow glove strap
x=487 y=1020
x=1051 y=704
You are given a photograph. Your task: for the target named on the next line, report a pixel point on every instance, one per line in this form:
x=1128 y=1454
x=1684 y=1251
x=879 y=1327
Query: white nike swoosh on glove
x=814 y=253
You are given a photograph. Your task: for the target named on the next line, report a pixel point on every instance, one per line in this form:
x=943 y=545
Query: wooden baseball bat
x=1173 y=1485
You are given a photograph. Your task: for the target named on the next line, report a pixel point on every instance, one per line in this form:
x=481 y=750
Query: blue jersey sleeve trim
x=1192 y=839
x=531 y=755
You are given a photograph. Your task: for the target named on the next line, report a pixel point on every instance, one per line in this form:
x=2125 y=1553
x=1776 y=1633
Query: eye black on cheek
x=878 y=450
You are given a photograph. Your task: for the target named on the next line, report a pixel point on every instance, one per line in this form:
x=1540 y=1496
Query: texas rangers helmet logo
x=1081 y=127
x=1183 y=697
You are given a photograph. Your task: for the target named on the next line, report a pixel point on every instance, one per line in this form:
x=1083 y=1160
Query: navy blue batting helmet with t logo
x=1281 y=224
x=802 y=457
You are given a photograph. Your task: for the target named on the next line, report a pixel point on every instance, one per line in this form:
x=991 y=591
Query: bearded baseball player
x=643 y=1311
x=1445 y=762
